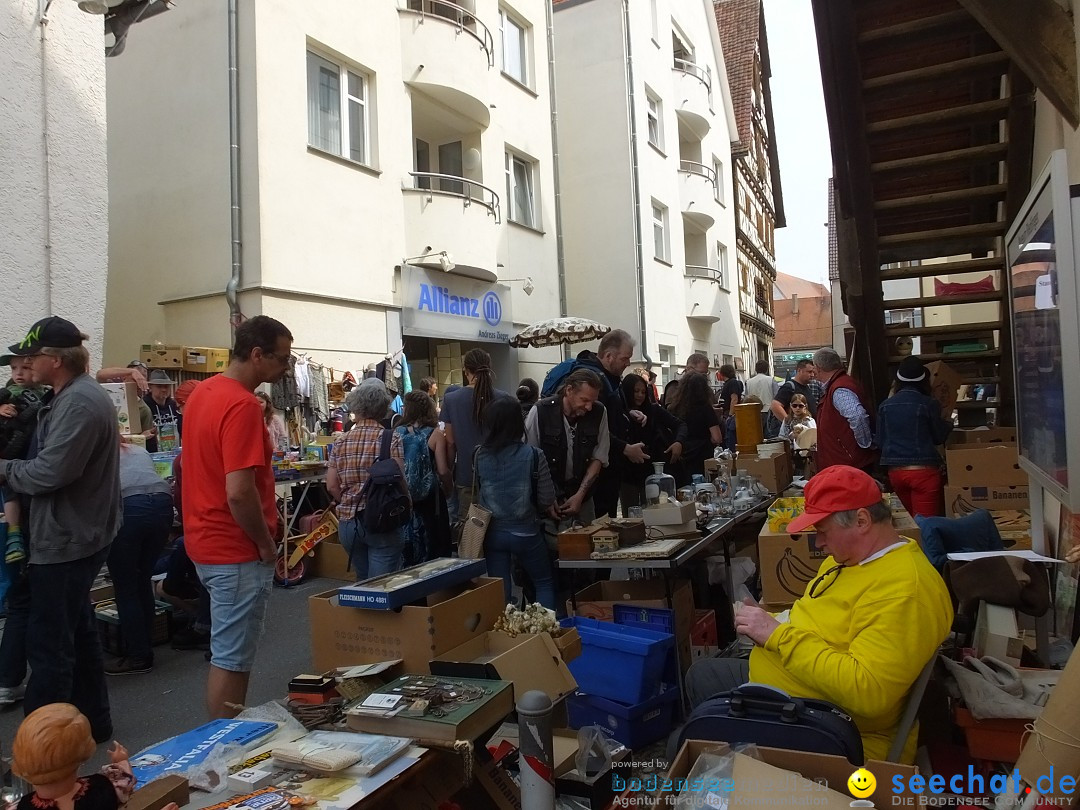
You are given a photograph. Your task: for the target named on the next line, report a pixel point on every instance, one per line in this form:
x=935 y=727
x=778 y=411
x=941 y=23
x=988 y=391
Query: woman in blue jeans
x=372 y=554
x=514 y=483
x=148 y=519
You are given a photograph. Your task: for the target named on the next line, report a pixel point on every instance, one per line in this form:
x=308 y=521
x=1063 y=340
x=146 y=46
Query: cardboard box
x=906 y=526
x=669 y=514
x=1048 y=754
x=125 y=398
x=331 y=561
x=528 y=661
x=960 y=501
x=982 y=436
x=200 y=358
x=980 y=465
x=774 y=472
x=786 y=564
x=598 y=600
x=944 y=384
x=823 y=769
x=568 y=644
x=996 y=633
x=157 y=356
x=157 y=794
x=343 y=636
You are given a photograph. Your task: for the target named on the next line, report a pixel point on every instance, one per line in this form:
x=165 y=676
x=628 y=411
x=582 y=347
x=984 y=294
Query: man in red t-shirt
x=230 y=510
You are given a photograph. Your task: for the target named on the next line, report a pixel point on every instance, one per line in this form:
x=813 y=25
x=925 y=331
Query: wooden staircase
x=932 y=129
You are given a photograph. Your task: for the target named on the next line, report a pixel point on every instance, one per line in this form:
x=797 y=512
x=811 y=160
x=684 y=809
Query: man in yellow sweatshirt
x=863 y=630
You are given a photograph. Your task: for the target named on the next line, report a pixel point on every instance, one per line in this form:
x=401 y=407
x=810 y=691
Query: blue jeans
x=500 y=547
x=147 y=523
x=239 y=598
x=66 y=664
x=371 y=555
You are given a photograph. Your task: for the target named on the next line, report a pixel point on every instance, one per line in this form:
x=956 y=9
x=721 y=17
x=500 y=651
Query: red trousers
x=919 y=490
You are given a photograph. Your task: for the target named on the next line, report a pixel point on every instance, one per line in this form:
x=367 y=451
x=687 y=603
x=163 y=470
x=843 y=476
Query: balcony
x=697 y=193
x=448 y=53
x=693 y=84
x=703 y=294
x=456 y=215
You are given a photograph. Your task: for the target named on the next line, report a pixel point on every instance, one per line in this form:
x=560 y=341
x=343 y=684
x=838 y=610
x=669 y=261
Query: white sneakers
x=11 y=694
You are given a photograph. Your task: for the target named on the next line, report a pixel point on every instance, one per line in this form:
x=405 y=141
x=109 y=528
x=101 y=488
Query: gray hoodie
x=74 y=480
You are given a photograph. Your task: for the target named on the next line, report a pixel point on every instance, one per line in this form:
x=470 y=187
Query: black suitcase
x=760 y=714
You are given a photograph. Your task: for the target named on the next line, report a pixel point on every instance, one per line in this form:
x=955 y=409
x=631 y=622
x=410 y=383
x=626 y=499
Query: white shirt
x=764 y=387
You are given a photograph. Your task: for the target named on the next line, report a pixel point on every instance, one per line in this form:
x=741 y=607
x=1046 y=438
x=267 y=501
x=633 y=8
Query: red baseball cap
x=835 y=489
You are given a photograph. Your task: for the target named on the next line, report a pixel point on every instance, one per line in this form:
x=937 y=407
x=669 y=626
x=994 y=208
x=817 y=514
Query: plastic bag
x=709 y=782
x=594 y=751
x=212 y=774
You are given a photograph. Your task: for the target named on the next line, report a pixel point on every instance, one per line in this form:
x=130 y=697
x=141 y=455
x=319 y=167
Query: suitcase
x=755 y=713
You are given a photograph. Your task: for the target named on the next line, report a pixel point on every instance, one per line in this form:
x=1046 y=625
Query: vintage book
x=180 y=753
x=435 y=708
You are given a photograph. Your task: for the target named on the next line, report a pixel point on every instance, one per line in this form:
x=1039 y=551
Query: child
x=21 y=401
x=799 y=419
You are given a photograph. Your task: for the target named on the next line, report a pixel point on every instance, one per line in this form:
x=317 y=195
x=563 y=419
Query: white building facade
x=54 y=206
x=380 y=176
x=645 y=132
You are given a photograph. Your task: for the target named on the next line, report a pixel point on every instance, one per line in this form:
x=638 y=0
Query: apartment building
x=759 y=201
x=645 y=131
x=376 y=175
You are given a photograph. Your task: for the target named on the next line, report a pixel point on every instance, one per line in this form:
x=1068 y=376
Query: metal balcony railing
x=701 y=271
x=708 y=172
x=461 y=18
x=452 y=185
x=702 y=74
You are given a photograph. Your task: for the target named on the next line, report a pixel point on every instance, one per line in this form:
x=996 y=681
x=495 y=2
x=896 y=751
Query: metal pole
x=535 y=751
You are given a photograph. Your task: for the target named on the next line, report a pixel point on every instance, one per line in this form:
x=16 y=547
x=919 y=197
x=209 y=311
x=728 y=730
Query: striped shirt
x=847 y=404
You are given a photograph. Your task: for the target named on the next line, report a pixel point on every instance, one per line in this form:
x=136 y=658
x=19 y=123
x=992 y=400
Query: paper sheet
x=1026 y=555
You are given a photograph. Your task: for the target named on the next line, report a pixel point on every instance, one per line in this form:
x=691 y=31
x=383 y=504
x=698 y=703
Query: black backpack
x=388 y=506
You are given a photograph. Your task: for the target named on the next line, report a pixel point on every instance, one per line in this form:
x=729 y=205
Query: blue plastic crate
x=634 y=726
x=619 y=662
x=662 y=620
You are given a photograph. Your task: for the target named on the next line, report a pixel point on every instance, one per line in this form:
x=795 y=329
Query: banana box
x=787 y=563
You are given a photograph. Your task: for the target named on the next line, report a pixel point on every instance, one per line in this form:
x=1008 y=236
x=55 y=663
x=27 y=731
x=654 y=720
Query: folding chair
x=907 y=719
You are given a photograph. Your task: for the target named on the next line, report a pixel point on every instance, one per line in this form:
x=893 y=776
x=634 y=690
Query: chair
x=907 y=719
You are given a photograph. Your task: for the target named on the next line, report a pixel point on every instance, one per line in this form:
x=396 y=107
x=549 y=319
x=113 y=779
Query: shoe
x=128 y=666
x=11 y=694
x=190 y=639
x=15 y=552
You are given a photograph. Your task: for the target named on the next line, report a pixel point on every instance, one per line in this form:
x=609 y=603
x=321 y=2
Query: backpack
x=419 y=471
x=563 y=370
x=387 y=507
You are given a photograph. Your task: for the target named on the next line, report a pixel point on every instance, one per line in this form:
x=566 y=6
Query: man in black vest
x=571 y=429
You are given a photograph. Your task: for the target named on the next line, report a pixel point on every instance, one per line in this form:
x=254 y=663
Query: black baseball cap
x=49 y=333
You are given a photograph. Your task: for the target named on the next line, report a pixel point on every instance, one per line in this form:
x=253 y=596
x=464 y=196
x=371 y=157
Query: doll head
x=51 y=744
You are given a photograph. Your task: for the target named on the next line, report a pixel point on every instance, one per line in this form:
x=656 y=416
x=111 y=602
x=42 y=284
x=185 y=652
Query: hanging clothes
x=406 y=375
x=302 y=371
x=320 y=399
x=284 y=393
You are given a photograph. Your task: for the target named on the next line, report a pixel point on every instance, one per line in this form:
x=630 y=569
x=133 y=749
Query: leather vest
x=553 y=441
x=836 y=441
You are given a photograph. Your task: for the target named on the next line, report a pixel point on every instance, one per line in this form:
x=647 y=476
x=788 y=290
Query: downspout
x=234 y=171
x=560 y=255
x=635 y=172
x=46 y=180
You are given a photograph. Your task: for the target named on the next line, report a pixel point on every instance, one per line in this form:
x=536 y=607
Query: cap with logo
x=53 y=332
x=835 y=489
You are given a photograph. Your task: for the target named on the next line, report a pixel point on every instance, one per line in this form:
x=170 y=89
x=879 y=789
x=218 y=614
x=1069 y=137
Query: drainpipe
x=635 y=172
x=234 y=171
x=560 y=256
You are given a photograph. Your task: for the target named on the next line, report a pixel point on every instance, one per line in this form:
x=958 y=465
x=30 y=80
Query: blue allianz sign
x=443 y=305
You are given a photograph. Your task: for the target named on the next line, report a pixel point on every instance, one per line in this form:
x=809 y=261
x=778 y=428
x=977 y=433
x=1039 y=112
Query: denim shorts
x=239 y=596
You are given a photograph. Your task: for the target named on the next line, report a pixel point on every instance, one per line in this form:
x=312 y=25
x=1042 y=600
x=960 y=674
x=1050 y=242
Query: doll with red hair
x=52 y=743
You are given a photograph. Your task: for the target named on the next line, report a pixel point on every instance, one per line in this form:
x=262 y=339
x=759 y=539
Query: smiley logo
x=861 y=784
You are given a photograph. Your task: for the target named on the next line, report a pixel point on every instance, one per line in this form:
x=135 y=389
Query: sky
x=802 y=138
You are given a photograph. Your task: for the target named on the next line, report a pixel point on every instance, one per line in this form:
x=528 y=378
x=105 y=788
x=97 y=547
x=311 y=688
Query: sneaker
x=190 y=639
x=15 y=552
x=11 y=694
x=128 y=666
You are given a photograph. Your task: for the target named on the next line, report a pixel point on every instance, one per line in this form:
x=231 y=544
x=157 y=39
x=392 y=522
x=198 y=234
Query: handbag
x=474 y=527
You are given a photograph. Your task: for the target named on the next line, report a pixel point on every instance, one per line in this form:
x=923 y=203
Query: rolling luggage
x=760 y=714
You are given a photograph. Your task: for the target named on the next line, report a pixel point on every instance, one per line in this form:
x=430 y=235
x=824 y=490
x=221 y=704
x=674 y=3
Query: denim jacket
x=910 y=428
x=506 y=486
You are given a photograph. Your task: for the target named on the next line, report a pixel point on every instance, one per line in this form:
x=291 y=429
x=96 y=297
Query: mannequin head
x=51 y=744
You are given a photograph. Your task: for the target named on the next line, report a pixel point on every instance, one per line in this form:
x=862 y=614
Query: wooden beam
x=1038 y=35
x=967 y=113
x=945 y=268
x=942 y=329
x=990 y=297
x=957 y=157
x=994 y=192
x=958 y=232
x=983 y=64
x=958 y=20
x=953 y=357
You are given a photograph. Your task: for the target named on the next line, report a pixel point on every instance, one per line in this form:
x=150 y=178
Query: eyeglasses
x=281 y=358
x=825 y=581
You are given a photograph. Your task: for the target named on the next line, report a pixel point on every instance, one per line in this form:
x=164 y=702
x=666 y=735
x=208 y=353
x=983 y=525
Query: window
x=521 y=190
x=659 y=229
x=338 y=112
x=515 y=56
x=718 y=168
x=655 y=18
x=667 y=368
x=721 y=263
x=656 y=118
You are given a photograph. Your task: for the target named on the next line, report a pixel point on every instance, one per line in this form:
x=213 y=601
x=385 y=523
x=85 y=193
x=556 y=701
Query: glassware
x=659 y=487
x=686 y=494
x=724 y=496
x=634 y=512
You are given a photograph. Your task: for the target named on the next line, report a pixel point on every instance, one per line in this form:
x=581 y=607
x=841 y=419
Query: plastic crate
x=619 y=662
x=703 y=630
x=999 y=740
x=634 y=726
x=662 y=620
x=108 y=626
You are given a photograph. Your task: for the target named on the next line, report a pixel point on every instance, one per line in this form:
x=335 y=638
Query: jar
x=659 y=487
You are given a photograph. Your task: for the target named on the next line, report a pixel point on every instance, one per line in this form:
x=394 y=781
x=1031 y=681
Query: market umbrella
x=559 y=330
